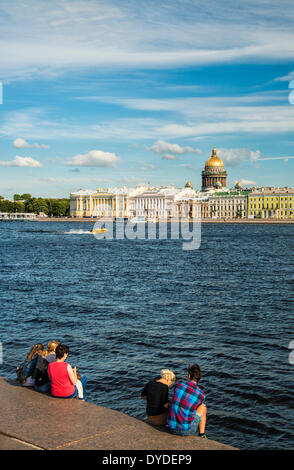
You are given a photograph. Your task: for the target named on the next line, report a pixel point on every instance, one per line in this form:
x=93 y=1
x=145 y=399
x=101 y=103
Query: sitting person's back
x=61 y=385
x=156 y=394
x=30 y=364
x=187 y=414
x=63 y=378
x=42 y=382
x=157 y=397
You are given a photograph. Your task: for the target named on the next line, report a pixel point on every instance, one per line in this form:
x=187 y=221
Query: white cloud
x=49 y=179
x=21 y=144
x=94 y=158
x=22 y=162
x=284 y=158
x=132 y=180
x=245 y=182
x=254 y=155
x=189 y=106
x=33 y=123
x=74 y=33
x=169 y=157
x=147 y=166
x=161 y=147
x=224 y=119
x=286 y=78
x=234 y=157
x=190 y=118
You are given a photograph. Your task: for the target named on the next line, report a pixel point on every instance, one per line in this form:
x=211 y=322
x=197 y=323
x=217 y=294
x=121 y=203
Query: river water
x=128 y=308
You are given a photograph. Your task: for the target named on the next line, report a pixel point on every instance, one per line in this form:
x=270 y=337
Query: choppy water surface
x=129 y=308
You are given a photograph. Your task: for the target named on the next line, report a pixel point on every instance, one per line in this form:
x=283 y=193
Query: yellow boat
x=98 y=230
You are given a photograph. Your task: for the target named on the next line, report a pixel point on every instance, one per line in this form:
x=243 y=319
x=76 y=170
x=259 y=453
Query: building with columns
x=143 y=201
x=230 y=205
x=214 y=175
x=100 y=203
x=215 y=201
x=271 y=203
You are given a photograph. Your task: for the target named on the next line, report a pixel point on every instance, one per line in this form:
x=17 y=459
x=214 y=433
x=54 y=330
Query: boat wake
x=78 y=232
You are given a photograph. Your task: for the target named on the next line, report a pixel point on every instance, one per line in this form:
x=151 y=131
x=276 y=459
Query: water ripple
x=129 y=308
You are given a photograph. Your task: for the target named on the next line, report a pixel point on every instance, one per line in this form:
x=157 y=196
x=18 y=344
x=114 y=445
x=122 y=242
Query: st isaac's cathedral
x=214 y=175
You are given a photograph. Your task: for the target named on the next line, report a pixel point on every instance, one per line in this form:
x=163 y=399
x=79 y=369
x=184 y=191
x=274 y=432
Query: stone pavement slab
x=10 y=443
x=29 y=418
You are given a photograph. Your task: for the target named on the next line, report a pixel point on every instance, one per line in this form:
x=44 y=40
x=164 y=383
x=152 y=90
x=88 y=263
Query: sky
x=99 y=94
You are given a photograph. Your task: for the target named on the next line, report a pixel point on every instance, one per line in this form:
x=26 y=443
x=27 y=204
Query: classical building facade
x=152 y=203
x=214 y=201
x=230 y=205
x=214 y=175
x=266 y=203
x=100 y=203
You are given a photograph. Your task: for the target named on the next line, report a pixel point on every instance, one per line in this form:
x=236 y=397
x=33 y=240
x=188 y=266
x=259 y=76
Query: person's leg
x=45 y=388
x=158 y=420
x=84 y=385
x=30 y=382
x=202 y=411
x=69 y=396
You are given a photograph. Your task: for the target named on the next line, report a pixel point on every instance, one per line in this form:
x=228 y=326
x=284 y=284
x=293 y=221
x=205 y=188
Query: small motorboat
x=98 y=230
x=141 y=219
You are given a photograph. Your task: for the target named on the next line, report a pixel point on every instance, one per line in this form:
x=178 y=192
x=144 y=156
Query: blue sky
x=104 y=94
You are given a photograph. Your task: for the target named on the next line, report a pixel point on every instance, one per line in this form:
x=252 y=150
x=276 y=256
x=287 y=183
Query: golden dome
x=189 y=185
x=214 y=160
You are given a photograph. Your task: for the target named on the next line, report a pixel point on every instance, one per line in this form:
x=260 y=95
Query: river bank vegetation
x=37 y=205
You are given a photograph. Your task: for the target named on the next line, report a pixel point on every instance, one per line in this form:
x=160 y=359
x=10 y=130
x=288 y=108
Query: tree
x=26 y=196
x=29 y=206
x=58 y=207
x=18 y=206
x=6 y=206
x=39 y=205
x=26 y=203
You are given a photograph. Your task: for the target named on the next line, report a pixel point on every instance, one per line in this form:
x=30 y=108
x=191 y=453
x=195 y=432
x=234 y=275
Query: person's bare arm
x=72 y=373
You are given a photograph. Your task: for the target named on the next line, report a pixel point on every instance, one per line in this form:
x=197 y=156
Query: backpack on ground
x=20 y=374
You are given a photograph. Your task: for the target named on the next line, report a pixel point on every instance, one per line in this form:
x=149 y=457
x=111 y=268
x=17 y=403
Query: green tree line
x=27 y=203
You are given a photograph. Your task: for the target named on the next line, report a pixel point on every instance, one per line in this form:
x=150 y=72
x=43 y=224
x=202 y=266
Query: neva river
x=128 y=308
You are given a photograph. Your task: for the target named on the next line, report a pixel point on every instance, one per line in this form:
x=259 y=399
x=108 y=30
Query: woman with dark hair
x=30 y=364
x=64 y=378
x=187 y=414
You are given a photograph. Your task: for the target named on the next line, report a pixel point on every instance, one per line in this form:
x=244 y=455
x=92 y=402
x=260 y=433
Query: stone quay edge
x=31 y=420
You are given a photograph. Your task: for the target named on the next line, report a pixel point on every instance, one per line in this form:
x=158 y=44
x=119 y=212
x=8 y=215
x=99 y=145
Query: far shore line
x=203 y=221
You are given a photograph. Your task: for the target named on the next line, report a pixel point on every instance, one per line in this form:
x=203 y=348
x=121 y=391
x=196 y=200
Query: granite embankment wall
x=30 y=420
x=203 y=221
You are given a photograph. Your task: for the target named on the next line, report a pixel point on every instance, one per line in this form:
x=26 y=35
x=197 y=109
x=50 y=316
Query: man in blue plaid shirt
x=187 y=413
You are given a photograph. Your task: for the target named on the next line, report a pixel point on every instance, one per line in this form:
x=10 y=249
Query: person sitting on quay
x=64 y=378
x=42 y=382
x=187 y=413
x=156 y=394
x=50 y=354
x=25 y=372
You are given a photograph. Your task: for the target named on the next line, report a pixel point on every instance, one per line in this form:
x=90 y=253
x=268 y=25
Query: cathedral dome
x=214 y=160
x=189 y=185
x=214 y=174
